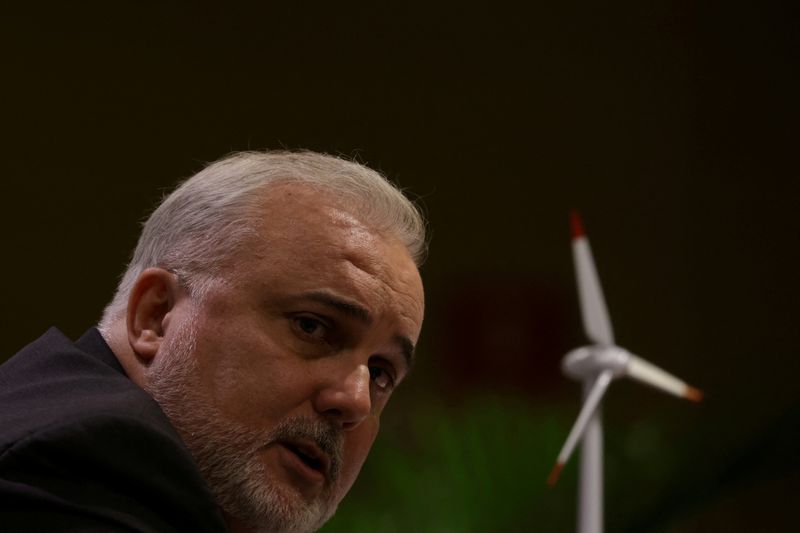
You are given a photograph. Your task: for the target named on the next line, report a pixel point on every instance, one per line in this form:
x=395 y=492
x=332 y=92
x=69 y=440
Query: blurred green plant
x=477 y=467
x=481 y=466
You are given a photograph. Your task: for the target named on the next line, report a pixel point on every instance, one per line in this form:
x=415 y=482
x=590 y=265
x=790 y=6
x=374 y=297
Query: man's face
x=277 y=379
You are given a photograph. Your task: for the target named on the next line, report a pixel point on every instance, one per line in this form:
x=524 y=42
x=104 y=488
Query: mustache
x=323 y=433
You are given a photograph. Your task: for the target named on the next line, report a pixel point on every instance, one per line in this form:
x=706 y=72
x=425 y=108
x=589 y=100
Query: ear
x=150 y=304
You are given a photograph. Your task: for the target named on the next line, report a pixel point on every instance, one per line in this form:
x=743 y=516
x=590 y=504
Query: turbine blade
x=596 y=322
x=588 y=410
x=650 y=374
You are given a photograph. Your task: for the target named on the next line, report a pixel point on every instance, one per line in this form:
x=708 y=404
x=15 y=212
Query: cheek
x=250 y=378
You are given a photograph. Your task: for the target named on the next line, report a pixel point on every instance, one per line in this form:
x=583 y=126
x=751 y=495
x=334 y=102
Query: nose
x=345 y=398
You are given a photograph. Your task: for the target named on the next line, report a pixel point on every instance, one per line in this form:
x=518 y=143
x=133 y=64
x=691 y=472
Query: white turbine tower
x=596 y=365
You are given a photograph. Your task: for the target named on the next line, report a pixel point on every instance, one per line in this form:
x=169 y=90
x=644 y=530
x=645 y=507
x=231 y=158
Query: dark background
x=671 y=125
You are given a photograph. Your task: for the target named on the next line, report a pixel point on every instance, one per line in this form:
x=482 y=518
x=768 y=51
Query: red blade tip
x=693 y=394
x=576 y=224
x=555 y=473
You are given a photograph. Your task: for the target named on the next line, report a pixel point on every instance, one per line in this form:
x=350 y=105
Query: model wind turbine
x=596 y=366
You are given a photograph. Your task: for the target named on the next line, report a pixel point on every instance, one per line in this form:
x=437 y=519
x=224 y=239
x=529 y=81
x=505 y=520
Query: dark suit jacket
x=83 y=448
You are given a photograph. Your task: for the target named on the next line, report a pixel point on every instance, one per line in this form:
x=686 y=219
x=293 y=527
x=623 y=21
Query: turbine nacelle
x=587 y=362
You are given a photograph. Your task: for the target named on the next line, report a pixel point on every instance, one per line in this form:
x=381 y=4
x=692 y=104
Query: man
x=237 y=378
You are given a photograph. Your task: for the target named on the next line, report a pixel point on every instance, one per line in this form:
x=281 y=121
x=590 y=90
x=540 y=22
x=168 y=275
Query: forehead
x=316 y=221
x=315 y=214
x=312 y=239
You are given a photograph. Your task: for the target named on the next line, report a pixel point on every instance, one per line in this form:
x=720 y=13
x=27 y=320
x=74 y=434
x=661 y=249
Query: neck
x=117 y=339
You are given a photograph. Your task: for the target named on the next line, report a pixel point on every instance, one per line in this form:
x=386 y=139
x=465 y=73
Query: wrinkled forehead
x=320 y=222
x=310 y=213
x=296 y=201
x=303 y=228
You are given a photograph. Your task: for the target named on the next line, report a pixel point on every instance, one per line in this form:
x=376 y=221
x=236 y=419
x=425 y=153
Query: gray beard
x=227 y=453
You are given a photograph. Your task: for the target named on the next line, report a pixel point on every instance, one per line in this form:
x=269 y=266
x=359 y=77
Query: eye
x=309 y=326
x=382 y=378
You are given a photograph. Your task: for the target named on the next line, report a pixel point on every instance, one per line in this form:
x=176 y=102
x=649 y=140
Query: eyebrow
x=347 y=307
x=362 y=314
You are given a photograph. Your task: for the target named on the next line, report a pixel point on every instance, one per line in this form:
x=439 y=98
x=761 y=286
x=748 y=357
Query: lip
x=307 y=459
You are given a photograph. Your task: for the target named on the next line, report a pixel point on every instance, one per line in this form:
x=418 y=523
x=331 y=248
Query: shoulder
x=52 y=381
x=107 y=469
x=80 y=444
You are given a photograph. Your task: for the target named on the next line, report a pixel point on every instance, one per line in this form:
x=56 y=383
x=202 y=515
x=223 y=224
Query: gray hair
x=201 y=224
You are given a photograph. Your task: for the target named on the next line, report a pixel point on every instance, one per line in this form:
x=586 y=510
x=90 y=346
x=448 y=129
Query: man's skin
x=316 y=317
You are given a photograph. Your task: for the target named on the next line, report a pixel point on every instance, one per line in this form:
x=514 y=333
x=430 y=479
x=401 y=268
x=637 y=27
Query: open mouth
x=310 y=457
